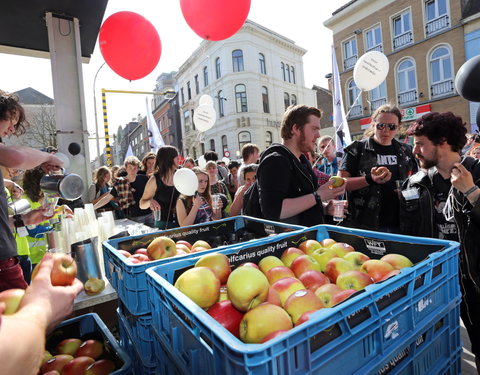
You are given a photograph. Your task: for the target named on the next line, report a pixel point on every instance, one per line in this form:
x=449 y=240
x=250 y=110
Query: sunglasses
x=381 y=126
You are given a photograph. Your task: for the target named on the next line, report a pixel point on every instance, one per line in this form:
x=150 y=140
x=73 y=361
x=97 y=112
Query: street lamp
x=95 y=110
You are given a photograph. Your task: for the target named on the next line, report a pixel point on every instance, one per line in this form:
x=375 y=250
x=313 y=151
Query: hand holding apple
x=380 y=175
x=64 y=270
x=12 y=299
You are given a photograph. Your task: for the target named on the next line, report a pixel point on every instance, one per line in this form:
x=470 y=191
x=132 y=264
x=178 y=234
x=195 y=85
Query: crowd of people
x=428 y=190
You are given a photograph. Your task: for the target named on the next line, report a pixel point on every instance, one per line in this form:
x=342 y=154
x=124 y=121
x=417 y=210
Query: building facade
x=252 y=77
x=424 y=41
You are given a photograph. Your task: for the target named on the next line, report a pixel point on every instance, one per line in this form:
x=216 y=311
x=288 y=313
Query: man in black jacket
x=439 y=138
x=287 y=186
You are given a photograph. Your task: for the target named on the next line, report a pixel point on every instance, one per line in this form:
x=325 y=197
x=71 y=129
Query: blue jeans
x=26 y=265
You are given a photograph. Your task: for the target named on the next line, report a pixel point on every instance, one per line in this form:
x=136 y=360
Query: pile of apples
x=77 y=357
x=164 y=247
x=259 y=302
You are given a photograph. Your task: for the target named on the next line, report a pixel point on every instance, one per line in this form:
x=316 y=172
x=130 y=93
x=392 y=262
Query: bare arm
x=237 y=204
x=25 y=157
x=147 y=200
x=183 y=218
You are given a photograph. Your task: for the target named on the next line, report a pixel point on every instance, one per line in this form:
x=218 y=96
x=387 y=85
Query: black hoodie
x=281 y=175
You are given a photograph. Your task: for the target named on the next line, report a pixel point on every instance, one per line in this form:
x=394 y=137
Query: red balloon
x=215 y=19
x=130 y=45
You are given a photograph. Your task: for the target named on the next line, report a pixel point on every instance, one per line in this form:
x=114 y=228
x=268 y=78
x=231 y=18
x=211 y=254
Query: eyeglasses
x=381 y=126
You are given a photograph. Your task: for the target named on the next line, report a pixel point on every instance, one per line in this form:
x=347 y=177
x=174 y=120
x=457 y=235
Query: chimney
x=329 y=77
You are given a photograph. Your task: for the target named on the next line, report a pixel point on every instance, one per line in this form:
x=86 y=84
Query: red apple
x=277 y=273
x=100 y=367
x=304 y=317
x=272 y=335
x=141 y=251
x=77 y=366
x=64 y=270
x=326 y=292
x=389 y=275
x=181 y=247
x=397 y=261
x=201 y=243
x=249 y=264
x=46 y=356
x=262 y=321
x=353 y=280
x=12 y=299
x=161 y=247
x=56 y=363
x=342 y=248
x=201 y=285
x=198 y=249
x=327 y=242
x=179 y=253
x=309 y=246
x=140 y=257
x=342 y=296
x=356 y=258
x=135 y=260
x=289 y=255
x=335 y=267
x=300 y=302
x=68 y=346
x=218 y=263
x=304 y=263
x=313 y=279
x=186 y=243
x=269 y=262
x=125 y=253
x=376 y=268
x=94 y=286
x=227 y=315
x=282 y=289
x=247 y=287
x=90 y=348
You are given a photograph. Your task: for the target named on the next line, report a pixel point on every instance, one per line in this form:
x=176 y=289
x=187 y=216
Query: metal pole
x=108 y=152
x=95 y=109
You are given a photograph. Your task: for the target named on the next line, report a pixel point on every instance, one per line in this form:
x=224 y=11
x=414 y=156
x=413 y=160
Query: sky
x=299 y=20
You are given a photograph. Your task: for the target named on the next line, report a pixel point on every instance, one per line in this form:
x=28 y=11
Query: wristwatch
x=20 y=226
x=318 y=200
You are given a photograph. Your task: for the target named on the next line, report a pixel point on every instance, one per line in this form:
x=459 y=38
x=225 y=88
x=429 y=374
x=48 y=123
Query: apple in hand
x=335 y=267
x=277 y=273
x=46 y=356
x=342 y=248
x=326 y=292
x=313 y=279
x=272 y=335
x=282 y=289
x=77 y=366
x=201 y=243
x=337 y=181
x=94 y=286
x=356 y=259
x=262 y=321
x=201 y=285
x=376 y=268
x=12 y=299
x=269 y=262
x=323 y=255
x=56 y=363
x=90 y=348
x=309 y=246
x=247 y=287
x=378 y=171
x=300 y=302
x=100 y=367
x=289 y=255
x=227 y=315
x=342 y=296
x=397 y=261
x=64 y=270
x=218 y=263
x=68 y=346
x=304 y=263
x=353 y=280
x=161 y=247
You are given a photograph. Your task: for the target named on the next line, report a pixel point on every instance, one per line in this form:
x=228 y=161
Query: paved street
x=468 y=360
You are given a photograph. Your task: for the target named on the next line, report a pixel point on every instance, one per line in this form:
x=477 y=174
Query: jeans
x=26 y=265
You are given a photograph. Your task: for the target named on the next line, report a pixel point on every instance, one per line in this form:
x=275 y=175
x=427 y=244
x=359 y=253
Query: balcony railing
x=374 y=104
x=407 y=97
x=349 y=62
x=437 y=24
x=378 y=48
x=442 y=88
x=356 y=111
x=402 y=40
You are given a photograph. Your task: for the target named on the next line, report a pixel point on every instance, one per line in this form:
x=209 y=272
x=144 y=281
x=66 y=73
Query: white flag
x=156 y=140
x=342 y=132
x=129 y=151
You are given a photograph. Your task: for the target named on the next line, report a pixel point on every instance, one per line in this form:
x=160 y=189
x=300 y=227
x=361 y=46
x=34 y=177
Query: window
x=218 y=70
x=202 y=148
x=286 y=100
x=261 y=60
x=237 y=59
x=193 y=122
x=292 y=69
x=441 y=77
x=244 y=138
x=352 y=94
x=266 y=107
x=349 y=54
x=212 y=144
x=268 y=138
x=283 y=71
x=224 y=144
x=186 y=120
x=241 y=98
x=189 y=91
x=436 y=14
x=378 y=96
x=197 y=85
x=407 y=82
x=287 y=70
x=402 y=30
x=220 y=98
x=373 y=39
x=294 y=99
x=182 y=94
x=205 y=76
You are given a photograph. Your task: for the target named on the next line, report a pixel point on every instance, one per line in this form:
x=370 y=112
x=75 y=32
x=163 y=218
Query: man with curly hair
x=442 y=200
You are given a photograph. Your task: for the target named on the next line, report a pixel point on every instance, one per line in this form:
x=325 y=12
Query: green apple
x=337 y=181
x=161 y=247
x=269 y=262
x=301 y=302
x=218 y=263
x=289 y=255
x=277 y=273
x=356 y=259
x=342 y=248
x=304 y=263
x=353 y=280
x=282 y=289
x=12 y=299
x=68 y=346
x=335 y=267
x=94 y=286
x=397 y=261
x=376 y=268
x=262 y=321
x=323 y=255
x=309 y=246
x=326 y=292
x=46 y=356
x=201 y=285
x=201 y=243
x=327 y=242
x=247 y=287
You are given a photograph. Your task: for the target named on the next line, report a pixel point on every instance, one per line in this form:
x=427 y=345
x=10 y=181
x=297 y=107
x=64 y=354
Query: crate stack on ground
x=408 y=324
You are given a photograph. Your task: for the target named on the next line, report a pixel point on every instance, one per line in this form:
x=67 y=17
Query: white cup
x=157 y=215
x=338 y=210
x=216 y=201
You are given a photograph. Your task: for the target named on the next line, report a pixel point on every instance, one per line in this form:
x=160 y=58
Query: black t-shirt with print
x=446 y=230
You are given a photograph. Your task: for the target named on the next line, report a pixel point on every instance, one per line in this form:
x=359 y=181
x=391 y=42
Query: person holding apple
x=372 y=167
x=198 y=209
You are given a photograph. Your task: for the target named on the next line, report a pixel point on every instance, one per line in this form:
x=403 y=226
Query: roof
x=22 y=23
x=31 y=96
x=343 y=7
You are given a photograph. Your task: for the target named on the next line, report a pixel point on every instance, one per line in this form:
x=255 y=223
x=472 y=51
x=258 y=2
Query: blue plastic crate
x=360 y=330
x=90 y=326
x=129 y=280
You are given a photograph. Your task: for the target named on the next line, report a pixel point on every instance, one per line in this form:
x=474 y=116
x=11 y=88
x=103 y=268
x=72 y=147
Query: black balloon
x=467 y=81
x=74 y=148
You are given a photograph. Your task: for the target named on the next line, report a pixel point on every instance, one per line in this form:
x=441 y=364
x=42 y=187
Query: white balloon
x=226 y=160
x=185 y=181
x=204 y=117
x=206 y=100
x=370 y=70
x=64 y=158
x=202 y=163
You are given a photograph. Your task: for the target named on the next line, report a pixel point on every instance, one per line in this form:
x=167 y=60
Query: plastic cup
x=49 y=203
x=216 y=201
x=157 y=215
x=338 y=210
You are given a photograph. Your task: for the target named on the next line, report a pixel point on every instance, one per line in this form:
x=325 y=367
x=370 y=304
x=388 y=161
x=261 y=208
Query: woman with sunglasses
x=374 y=167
